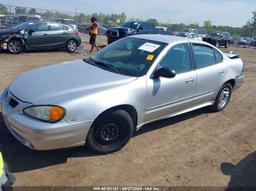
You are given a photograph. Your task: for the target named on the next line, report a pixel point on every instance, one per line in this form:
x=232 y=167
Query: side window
x=56 y=27
x=177 y=59
x=218 y=56
x=41 y=27
x=204 y=56
x=65 y=28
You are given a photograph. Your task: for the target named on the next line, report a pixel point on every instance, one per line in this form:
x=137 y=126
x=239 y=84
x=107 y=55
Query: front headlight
x=47 y=113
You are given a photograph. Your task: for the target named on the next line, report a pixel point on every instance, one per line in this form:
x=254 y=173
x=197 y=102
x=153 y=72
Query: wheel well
x=18 y=39
x=128 y=108
x=232 y=82
x=72 y=39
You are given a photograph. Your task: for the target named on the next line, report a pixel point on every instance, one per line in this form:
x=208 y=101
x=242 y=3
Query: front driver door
x=166 y=96
x=38 y=36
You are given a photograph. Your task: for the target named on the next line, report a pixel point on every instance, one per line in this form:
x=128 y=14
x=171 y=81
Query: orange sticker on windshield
x=150 y=57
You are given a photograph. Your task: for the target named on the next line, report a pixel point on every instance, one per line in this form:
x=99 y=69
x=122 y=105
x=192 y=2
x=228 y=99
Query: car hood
x=57 y=83
x=4 y=32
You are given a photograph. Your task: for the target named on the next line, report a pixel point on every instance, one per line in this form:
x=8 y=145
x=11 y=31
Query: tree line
x=249 y=29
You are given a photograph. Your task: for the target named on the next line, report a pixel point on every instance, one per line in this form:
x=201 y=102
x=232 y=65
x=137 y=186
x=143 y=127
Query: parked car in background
x=202 y=32
x=104 y=99
x=128 y=29
x=10 y=21
x=253 y=43
x=26 y=18
x=219 y=39
x=162 y=30
x=39 y=35
x=244 y=42
x=69 y=22
x=189 y=35
x=189 y=30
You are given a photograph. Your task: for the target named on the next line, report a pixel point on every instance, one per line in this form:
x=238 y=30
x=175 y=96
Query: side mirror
x=164 y=72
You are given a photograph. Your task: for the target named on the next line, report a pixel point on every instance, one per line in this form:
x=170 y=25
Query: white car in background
x=189 y=35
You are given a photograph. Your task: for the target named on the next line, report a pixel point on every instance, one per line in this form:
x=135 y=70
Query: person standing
x=93 y=31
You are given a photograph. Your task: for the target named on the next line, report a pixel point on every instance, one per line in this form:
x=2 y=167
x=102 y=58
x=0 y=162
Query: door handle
x=221 y=72
x=64 y=33
x=45 y=34
x=189 y=81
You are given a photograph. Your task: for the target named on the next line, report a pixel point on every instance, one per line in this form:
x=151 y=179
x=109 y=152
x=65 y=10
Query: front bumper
x=39 y=135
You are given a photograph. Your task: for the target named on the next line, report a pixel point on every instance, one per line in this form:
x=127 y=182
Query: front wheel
x=14 y=46
x=71 y=45
x=227 y=45
x=222 y=98
x=110 y=132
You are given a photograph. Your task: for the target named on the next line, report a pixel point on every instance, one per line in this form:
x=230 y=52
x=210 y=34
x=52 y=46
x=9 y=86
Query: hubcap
x=224 y=97
x=15 y=46
x=108 y=132
x=72 y=45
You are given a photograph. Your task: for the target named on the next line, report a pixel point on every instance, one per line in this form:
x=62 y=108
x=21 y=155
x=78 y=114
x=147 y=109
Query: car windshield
x=22 y=26
x=131 y=25
x=128 y=56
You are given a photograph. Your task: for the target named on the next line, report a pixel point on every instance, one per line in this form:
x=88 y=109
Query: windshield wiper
x=101 y=64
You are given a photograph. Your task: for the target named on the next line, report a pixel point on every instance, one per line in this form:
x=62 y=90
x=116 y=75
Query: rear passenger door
x=210 y=72
x=58 y=34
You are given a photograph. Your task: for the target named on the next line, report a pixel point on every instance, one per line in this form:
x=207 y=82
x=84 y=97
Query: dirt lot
x=194 y=149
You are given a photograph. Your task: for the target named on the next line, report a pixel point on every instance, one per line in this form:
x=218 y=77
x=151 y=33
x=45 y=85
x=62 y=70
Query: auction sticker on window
x=149 y=47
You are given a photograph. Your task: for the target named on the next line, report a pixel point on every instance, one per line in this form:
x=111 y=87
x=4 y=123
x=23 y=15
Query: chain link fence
x=12 y=15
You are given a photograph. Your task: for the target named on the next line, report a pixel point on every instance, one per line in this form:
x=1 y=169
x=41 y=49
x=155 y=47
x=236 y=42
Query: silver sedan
x=104 y=99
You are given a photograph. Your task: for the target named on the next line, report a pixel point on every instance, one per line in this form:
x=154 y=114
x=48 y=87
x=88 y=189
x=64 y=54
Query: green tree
x=253 y=24
x=47 y=15
x=20 y=10
x=32 y=11
x=208 y=25
x=153 y=21
x=3 y=10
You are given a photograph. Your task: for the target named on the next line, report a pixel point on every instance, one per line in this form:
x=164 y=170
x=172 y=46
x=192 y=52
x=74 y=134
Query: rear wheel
x=71 y=45
x=14 y=46
x=222 y=98
x=227 y=45
x=110 y=132
x=217 y=44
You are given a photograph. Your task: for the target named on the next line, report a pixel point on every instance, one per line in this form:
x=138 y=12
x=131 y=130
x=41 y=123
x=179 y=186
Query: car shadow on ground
x=19 y=158
x=242 y=175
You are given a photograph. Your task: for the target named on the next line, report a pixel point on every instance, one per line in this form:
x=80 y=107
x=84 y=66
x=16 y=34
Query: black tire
x=110 y=132
x=217 y=44
x=222 y=98
x=15 y=46
x=71 y=45
x=227 y=44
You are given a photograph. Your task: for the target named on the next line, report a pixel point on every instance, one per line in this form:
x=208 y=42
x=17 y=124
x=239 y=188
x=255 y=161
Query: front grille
x=13 y=103
x=112 y=33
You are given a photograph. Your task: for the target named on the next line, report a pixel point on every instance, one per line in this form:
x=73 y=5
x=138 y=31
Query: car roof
x=161 y=38
x=168 y=39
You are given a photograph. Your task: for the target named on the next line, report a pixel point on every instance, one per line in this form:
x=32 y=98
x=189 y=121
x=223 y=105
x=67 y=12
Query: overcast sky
x=220 y=12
